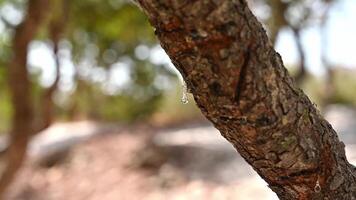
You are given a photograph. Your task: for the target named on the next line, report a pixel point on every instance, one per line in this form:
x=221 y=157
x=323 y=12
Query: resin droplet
x=317 y=187
x=185 y=93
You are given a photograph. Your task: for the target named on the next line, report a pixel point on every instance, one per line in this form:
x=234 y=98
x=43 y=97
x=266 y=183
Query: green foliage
x=135 y=104
x=5 y=103
x=122 y=22
x=342 y=93
x=115 y=25
x=128 y=108
x=345 y=87
x=313 y=87
x=101 y=33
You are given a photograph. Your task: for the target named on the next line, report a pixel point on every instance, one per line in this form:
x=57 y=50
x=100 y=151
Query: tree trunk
x=46 y=118
x=20 y=89
x=56 y=30
x=277 y=20
x=329 y=86
x=302 y=71
x=240 y=84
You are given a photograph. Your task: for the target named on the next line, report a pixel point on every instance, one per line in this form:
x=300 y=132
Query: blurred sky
x=341 y=48
x=341 y=40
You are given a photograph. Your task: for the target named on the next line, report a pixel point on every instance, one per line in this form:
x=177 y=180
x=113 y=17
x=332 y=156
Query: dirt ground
x=113 y=162
x=105 y=167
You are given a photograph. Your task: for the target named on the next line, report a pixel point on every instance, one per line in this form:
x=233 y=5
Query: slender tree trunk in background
x=302 y=72
x=240 y=84
x=56 y=30
x=278 y=21
x=47 y=103
x=329 y=89
x=20 y=89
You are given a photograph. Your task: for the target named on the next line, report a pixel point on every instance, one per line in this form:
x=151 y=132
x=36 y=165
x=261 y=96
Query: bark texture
x=20 y=89
x=240 y=84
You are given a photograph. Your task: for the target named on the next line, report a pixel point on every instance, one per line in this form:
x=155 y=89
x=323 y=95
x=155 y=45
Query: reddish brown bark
x=240 y=84
x=20 y=89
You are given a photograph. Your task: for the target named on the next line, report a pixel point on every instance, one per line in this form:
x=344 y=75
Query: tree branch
x=274 y=125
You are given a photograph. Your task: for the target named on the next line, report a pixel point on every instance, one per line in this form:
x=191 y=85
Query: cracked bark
x=240 y=84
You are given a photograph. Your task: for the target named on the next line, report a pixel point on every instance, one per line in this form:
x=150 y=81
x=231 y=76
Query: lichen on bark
x=240 y=84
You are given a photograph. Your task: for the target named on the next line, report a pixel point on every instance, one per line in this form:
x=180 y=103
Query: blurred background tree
x=106 y=47
x=96 y=55
x=99 y=61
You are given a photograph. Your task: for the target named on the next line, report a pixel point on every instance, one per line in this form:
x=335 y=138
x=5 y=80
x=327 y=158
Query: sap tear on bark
x=184 y=98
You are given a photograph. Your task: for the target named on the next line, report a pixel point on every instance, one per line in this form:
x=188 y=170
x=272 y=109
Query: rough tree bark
x=240 y=84
x=20 y=87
